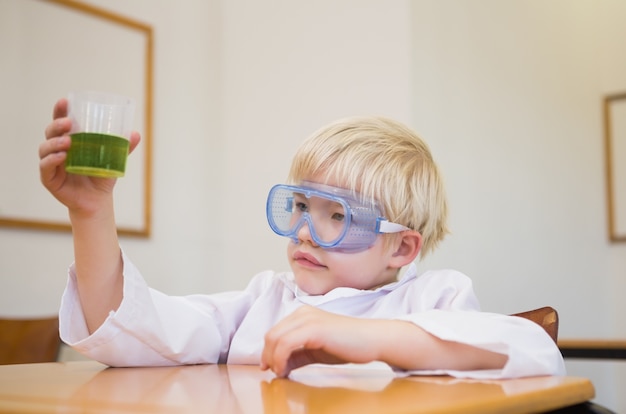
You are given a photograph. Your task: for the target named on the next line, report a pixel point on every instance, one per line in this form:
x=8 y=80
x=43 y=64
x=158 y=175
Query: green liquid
x=97 y=155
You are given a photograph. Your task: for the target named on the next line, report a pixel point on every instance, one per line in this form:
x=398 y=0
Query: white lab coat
x=151 y=328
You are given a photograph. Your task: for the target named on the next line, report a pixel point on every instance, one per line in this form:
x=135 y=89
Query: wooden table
x=91 y=387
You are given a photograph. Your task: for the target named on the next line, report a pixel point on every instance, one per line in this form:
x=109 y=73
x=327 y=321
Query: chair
x=29 y=340
x=547 y=317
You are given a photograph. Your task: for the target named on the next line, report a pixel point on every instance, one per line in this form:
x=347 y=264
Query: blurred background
x=508 y=94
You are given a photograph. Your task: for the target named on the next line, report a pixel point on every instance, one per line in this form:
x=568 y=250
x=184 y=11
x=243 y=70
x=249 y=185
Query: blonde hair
x=382 y=160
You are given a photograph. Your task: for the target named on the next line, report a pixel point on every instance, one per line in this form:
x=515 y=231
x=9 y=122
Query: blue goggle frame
x=362 y=223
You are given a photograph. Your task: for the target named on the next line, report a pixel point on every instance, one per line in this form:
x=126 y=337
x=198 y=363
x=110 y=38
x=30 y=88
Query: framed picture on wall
x=614 y=108
x=52 y=47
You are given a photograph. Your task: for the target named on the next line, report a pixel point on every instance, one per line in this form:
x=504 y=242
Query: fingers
x=58 y=127
x=52 y=154
x=60 y=109
x=292 y=342
x=280 y=349
x=54 y=145
x=135 y=138
x=280 y=342
x=49 y=168
x=60 y=124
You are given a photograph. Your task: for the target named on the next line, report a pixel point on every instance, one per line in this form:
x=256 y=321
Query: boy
x=365 y=199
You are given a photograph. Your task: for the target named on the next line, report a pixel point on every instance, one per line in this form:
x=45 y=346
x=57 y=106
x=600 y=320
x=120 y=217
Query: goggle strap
x=385 y=226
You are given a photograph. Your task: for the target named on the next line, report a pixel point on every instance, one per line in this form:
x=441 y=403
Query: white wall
x=509 y=95
x=287 y=71
x=506 y=93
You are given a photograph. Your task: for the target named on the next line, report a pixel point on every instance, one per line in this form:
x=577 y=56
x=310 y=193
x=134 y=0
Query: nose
x=304 y=232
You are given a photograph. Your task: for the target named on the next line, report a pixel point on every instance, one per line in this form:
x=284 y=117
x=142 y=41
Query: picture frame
x=53 y=47
x=614 y=116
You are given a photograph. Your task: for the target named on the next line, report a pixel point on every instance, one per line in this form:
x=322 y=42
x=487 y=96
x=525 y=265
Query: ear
x=407 y=247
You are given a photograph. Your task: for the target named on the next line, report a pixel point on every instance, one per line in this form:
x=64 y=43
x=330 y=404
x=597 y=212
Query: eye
x=301 y=206
x=300 y=203
x=338 y=217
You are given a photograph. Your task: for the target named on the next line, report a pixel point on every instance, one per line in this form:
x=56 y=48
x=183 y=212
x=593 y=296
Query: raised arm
x=90 y=206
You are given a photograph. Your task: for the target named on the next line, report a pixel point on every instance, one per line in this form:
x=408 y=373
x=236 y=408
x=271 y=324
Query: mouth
x=306 y=260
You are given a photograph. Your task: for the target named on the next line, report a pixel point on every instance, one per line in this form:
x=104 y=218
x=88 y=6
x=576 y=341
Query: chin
x=312 y=290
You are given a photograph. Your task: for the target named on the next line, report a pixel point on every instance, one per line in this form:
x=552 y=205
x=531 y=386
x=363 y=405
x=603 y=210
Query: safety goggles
x=338 y=219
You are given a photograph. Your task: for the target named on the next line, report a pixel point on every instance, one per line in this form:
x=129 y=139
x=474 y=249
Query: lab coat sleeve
x=529 y=349
x=455 y=317
x=153 y=329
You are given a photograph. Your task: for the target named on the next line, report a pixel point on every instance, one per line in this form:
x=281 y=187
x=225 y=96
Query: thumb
x=134 y=141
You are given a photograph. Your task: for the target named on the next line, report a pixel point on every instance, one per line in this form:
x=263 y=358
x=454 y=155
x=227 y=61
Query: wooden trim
x=609 y=167
x=147 y=135
x=146 y=141
x=593 y=348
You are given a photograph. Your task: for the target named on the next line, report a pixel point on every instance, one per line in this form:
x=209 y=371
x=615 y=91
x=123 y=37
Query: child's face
x=318 y=270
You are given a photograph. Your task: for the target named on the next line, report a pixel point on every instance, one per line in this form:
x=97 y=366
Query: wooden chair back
x=547 y=317
x=29 y=340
